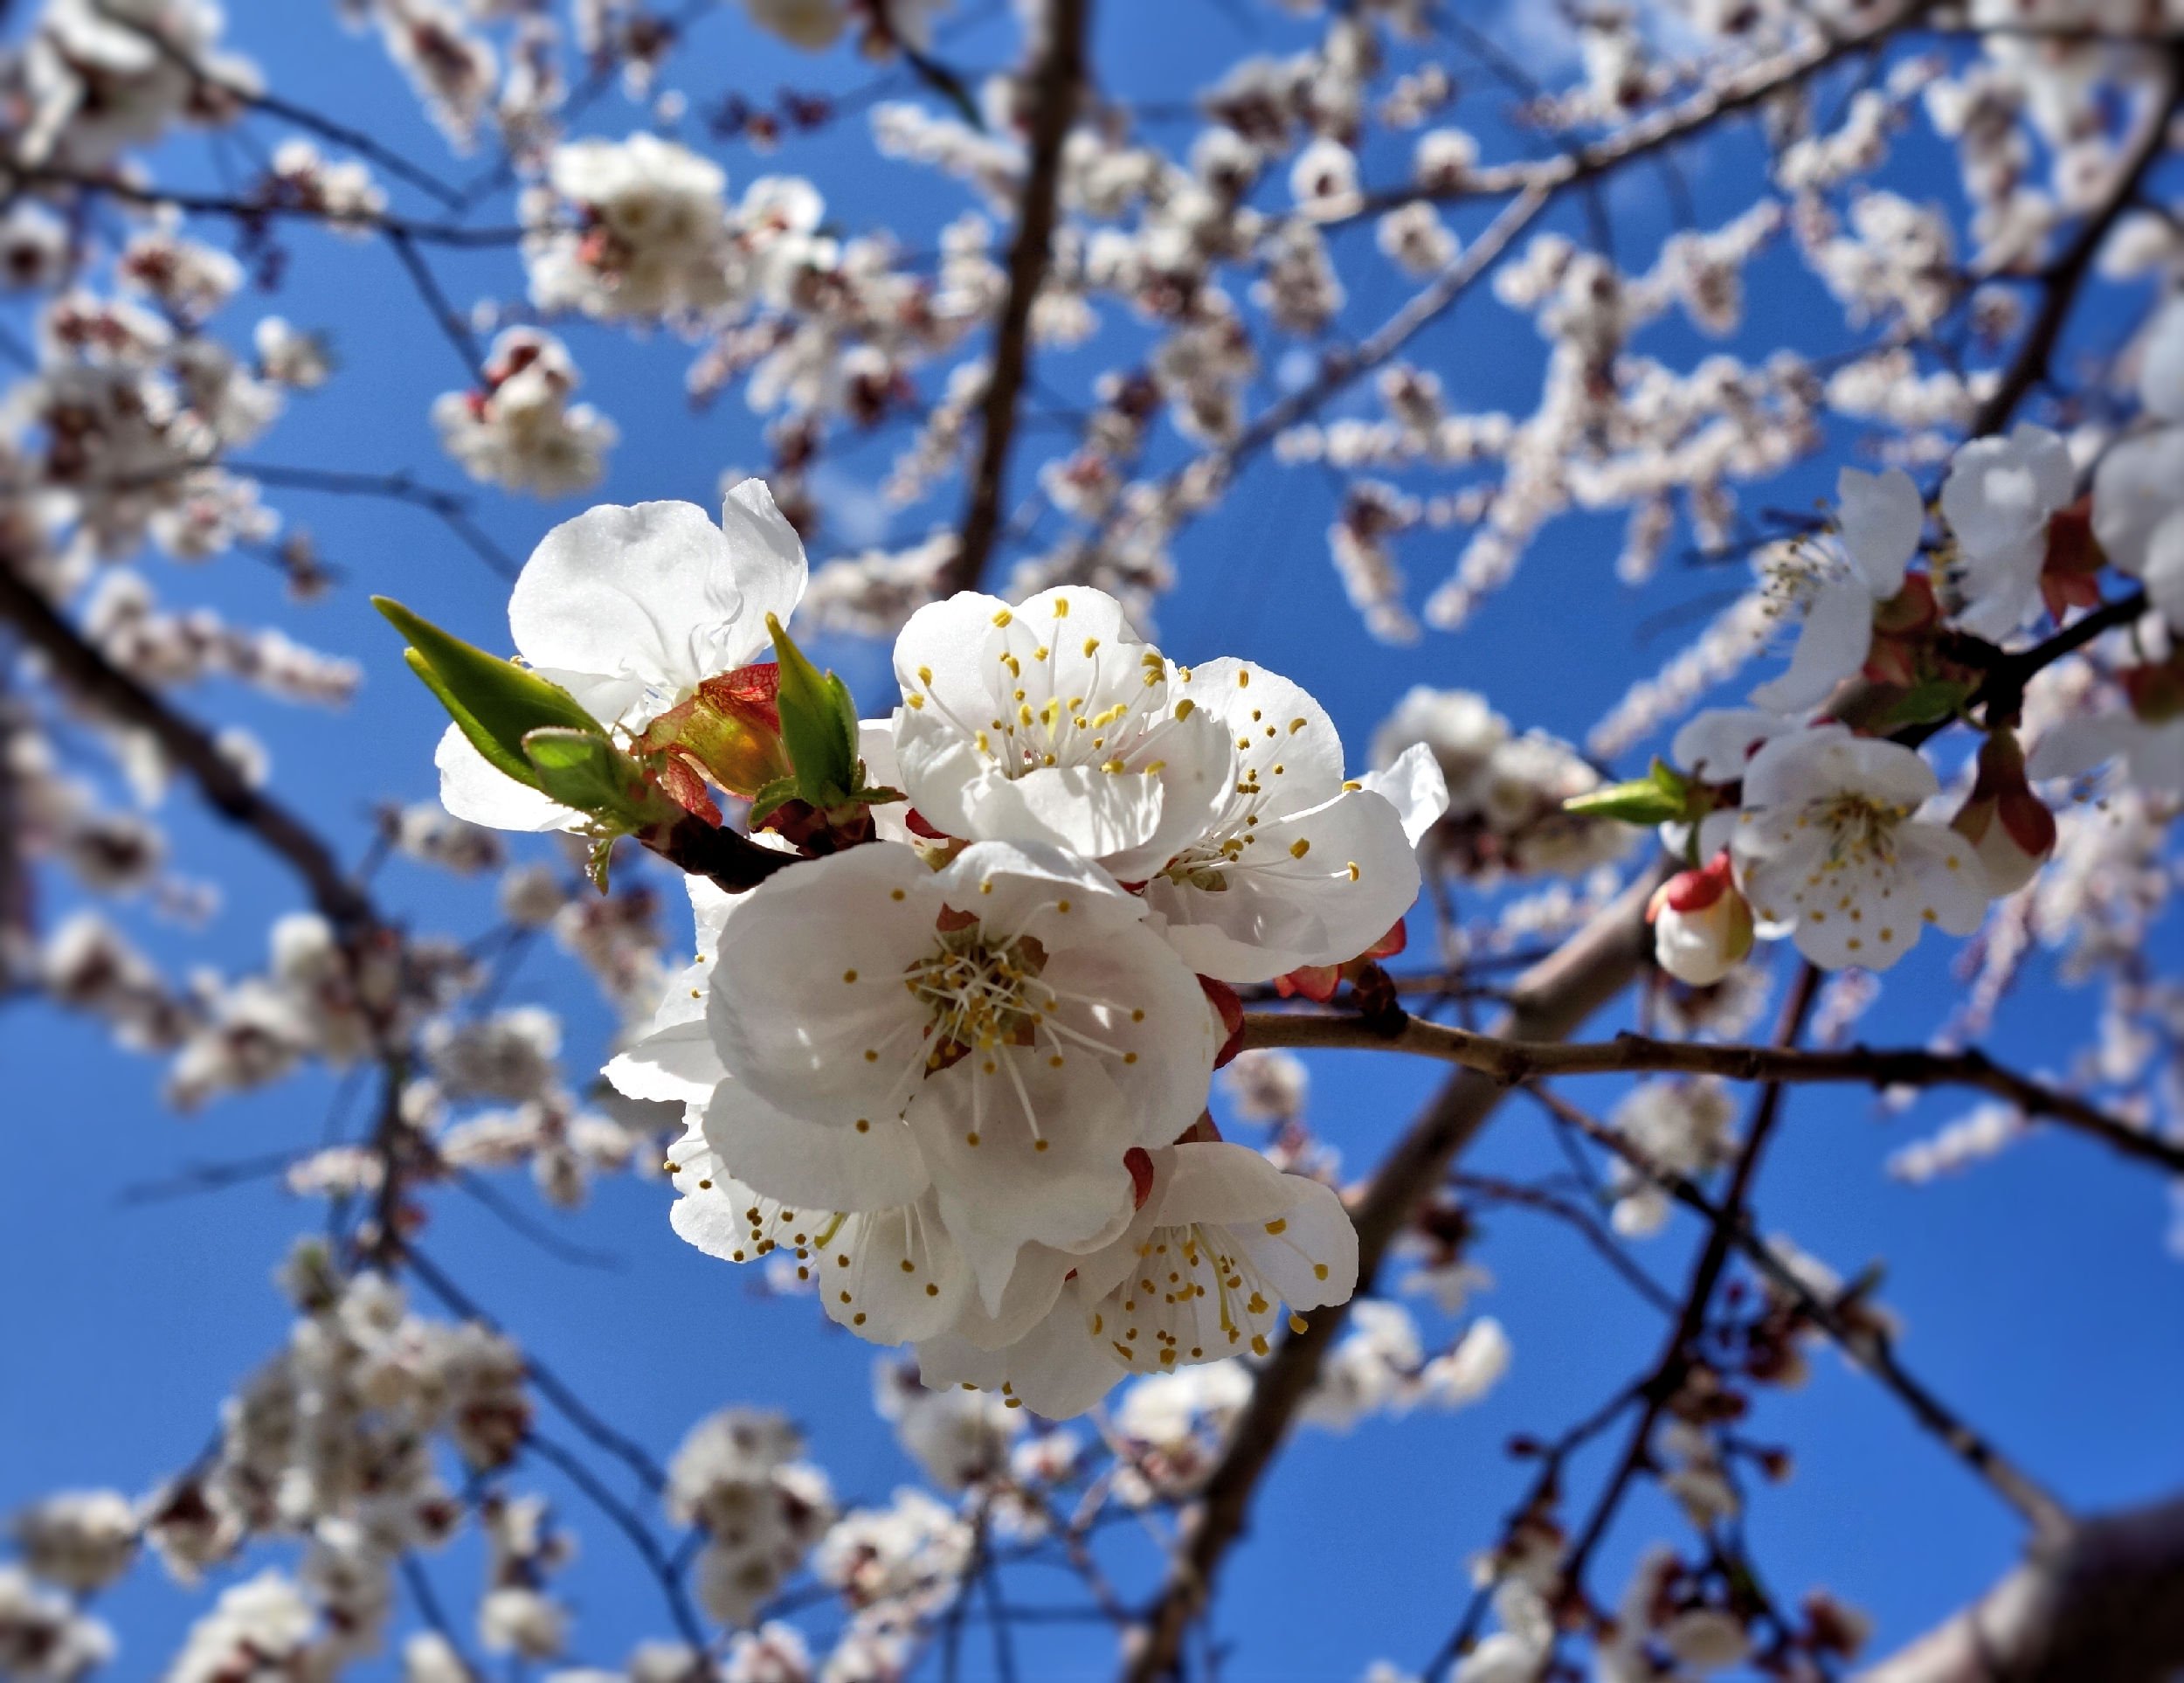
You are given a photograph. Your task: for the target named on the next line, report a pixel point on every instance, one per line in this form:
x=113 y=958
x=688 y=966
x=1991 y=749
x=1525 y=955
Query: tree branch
x=2061 y=280
x=2104 y=1604
x=1552 y=999
x=1056 y=87
x=80 y=665
x=1509 y=1061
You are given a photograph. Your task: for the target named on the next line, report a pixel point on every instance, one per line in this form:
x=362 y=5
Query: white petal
x=647 y=595
x=811 y=1164
x=1715 y=745
x=1882 y=518
x=2076 y=746
x=471 y=789
x=1415 y=786
x=1317 y=888
x=677 y=1064
x=1889 y=770
x=1130 y=1007
x=1058 y=1369
x=2161 y=366
x=2137 y=486
x=767 y=555
x=892 y=1276
x=1831 y=645
x=1280 y=731
x=1004 y=1192
x=876 y=746
x=2165 y=569
x=1946 y=874
x=1019 y=890
x=807 y=1004
x=941 y=654
x=1293 y=1230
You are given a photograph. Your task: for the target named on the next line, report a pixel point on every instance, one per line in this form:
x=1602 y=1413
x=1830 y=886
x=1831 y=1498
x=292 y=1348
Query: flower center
x=982 y=994
x=1864 y=830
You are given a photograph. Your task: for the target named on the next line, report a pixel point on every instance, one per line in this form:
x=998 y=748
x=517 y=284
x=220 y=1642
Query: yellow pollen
x=1002 y=617
x=1299 y=847
x=1278 y=1225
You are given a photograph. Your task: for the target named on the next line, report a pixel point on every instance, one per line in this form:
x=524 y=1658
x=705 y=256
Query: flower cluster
x=958 y=1072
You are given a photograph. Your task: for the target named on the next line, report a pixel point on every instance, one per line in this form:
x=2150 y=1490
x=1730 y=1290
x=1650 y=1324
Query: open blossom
x=1013 y=1015
x=1998 y=500
x=1296 y=867
x=652 y=239
x=1830 y=850
x=1222 y=1241
x=630 y=610
x=2147 y=735
x=1053 y=722
x=1880 y=518
x=521 y=432
x=2139 y=488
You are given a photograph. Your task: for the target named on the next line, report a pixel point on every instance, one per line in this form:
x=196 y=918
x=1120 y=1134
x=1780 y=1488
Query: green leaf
x=819 y=724
x=1640 y=801
x=769 y=799
x=1927 y=704
x=496 y=703
x=584 y=770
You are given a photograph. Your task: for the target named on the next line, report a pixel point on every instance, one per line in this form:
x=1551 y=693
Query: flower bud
x=1702 y=925
x=2006 y=823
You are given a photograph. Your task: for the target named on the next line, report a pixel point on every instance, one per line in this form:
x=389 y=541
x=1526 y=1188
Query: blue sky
x=2036 y=1290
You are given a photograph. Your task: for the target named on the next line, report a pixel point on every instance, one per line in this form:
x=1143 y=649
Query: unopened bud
x=1701 y=924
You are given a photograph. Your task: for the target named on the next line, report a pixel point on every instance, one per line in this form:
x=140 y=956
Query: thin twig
x=1511 y=1061
x=1053 y=92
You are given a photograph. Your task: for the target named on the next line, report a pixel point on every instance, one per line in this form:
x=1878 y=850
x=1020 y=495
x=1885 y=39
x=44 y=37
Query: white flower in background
x=1830 y=850
x=258 y=1628
x=1504 y=790
x=1879 y=521
x=2138 y=487
x=630 y=609
x=1296 y=867
x=2150 y=743
x=1998 y=499
x=1684 y=1127
x=959 y=1437
x=1013 y=1010
x=81 y=1540
x=289 y=356
x=103 y=75
x=521 y=432
x=1267 y=1084
x=652 y=236
x=1461 y=1375
x=1519 y=1651
x=1053 y=722
x=737 y=1479
x=1222 y=1242
x=43 y=1638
